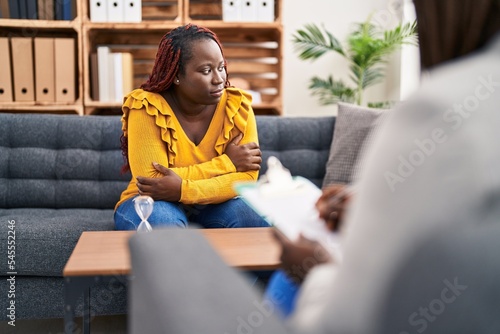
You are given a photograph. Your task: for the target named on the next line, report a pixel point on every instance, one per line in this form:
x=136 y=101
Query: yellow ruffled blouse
x=155 y=135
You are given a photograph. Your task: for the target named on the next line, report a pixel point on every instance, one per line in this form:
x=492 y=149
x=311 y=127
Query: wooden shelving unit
x=48 y=28
x=253 y=49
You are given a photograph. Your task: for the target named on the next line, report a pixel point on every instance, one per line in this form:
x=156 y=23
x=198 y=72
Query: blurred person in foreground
x=431 y=173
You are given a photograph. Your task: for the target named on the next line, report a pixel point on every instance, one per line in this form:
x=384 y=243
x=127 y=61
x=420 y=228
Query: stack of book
x=112 y=75
x=38 y=9
x=37 y=69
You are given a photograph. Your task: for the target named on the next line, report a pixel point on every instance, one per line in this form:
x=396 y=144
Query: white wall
x=337 y=16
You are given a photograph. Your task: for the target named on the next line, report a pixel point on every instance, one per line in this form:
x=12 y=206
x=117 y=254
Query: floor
x=116 y=324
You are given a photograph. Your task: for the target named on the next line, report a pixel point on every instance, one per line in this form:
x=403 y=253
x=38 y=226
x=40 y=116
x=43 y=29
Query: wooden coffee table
x=100 y=255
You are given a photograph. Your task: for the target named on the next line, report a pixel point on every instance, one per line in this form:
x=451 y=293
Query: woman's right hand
x=165 y=188
x=245 y=157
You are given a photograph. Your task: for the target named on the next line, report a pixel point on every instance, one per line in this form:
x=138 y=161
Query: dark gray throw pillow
x=352 y=129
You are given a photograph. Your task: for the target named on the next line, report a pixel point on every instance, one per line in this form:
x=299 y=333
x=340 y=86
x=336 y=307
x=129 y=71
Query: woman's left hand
x=166 y=188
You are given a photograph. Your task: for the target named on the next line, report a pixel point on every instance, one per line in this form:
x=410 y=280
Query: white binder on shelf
x=231 y=10
x=116 y=10
x=45 y=81
x=265 y=11
x=6 y=70
x=289 y=204
x=98 y=10
x=132 y=10
x=248 y=10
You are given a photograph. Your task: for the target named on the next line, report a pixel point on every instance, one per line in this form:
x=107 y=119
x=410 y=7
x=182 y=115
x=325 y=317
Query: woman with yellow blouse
x=188 y=137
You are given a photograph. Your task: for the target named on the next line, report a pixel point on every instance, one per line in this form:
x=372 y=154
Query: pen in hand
x=332 y=203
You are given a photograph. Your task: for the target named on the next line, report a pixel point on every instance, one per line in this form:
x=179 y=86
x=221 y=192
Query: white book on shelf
x=132 y=10
x=111 y=77
x=98 y=10
x=116 y=10
x=231 y=10
x=103 y=73
x=117 y=78
x=265 y=11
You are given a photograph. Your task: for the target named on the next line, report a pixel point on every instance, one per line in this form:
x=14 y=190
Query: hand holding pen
x=332 y=204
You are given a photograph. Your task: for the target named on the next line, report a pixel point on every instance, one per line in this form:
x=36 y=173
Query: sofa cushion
x=45 y=238
x=352 y=130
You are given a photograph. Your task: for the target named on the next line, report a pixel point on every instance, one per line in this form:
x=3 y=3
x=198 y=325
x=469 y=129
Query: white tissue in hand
x=277 y=178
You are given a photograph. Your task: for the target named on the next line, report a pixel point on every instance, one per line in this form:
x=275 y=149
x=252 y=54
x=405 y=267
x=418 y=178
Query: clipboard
x=289 y=204
x=287 y=209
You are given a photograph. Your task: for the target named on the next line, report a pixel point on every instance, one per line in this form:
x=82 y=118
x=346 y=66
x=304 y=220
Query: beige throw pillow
x=352 y=130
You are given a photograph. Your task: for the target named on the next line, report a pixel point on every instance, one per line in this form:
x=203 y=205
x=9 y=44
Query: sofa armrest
x=180 y=285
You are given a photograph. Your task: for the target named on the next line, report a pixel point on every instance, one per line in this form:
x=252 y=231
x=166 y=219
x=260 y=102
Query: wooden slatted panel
x=153 y=10
x=242 y=52
x=143 y=68
x=139 y=54
x=250 y=67
x=205 y=10
x=254 y=55
x=137 y=37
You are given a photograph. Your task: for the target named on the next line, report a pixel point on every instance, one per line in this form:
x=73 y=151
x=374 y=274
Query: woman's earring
x=177 y=81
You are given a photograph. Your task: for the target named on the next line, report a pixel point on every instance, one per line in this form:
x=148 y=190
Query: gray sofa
x=60 y=176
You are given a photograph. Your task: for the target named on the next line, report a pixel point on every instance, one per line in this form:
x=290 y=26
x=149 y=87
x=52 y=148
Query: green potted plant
x=366 y=49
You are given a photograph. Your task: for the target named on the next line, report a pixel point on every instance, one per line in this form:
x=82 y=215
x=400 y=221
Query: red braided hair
x=174 y=51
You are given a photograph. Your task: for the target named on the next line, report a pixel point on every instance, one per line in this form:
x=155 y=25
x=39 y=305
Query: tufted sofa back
x=60 y=161
x=302 y=144
x=66 y=161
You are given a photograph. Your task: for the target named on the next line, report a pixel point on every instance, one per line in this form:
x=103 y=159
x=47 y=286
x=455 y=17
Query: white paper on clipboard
x=289 y=204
